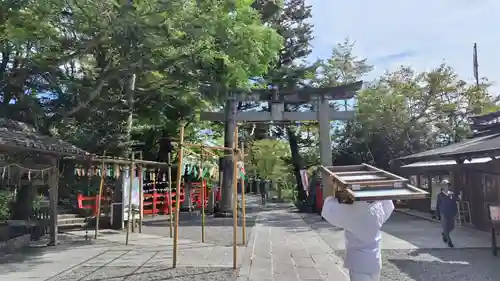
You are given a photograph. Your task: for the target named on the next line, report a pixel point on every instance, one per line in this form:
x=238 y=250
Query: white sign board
x=136 y=196
x=494 y=213
x=305 y=179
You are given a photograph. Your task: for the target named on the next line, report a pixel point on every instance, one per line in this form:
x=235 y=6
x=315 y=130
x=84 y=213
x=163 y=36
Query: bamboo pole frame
x=141 y=197
x=202 y=195
x=178 y=197
x=169 y=186
x=243 y=203
x=98 y=205
x=130 y=220
x=235 y=151
x=211 y=147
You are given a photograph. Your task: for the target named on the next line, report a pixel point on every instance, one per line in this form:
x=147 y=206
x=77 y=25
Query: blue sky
x=418 y=33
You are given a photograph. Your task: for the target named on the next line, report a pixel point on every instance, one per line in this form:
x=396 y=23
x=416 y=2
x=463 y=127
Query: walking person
x=361 y=222
x=447 y=210
x=263 y=191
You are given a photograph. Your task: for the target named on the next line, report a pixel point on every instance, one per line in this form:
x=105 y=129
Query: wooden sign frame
x=377 y=184
x=495 y=223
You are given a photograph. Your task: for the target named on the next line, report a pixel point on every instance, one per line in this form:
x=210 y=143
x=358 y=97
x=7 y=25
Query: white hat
x=445 y=182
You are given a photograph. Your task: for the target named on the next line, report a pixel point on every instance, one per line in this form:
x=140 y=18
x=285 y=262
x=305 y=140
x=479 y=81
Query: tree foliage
x=65 y=65
x=405 y=112
x=267 y=159
x=66 y=68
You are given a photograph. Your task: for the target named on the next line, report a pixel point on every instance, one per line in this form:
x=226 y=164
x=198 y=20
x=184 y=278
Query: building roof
x=486 y=146
x=445 y=163
x=490 y=121
x=19 y=135
x=452 y=149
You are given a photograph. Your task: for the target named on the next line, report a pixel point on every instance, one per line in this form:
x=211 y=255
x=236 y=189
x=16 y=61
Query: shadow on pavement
x=195 y=220
x=39 y=248
x=179 y=273
x=445 y=264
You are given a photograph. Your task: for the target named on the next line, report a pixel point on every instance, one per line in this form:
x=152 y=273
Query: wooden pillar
x=53 y=182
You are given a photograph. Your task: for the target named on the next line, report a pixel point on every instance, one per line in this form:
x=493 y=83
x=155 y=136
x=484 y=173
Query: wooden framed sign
x=494 y=213
x=367 y=183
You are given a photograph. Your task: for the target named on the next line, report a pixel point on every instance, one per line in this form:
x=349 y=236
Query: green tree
x=405 y=112
x=65 y=66
x=342 y=67
x=267 y=160
x=292 y=23
x=82 y=54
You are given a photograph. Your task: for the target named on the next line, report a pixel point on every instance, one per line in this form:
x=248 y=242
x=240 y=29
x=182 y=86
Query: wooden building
x=471 y=166
x=25 y=154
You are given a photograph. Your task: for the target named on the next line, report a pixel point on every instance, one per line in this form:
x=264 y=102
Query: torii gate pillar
x=325 y=143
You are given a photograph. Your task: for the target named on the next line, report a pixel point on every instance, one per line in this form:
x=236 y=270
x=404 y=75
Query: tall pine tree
x=292 y=23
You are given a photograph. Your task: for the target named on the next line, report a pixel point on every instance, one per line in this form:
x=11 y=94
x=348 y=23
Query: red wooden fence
x=156 y=202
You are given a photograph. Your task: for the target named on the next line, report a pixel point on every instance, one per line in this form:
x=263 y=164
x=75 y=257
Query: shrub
x=5 y=204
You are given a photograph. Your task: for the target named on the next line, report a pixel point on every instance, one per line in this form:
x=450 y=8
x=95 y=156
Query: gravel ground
x=118 y=273
x=439 y=265
x=218 y=231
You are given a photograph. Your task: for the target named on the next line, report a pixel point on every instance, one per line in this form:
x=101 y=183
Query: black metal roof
x=20 y=135
x=486 y=121
x=486 y=146
x=466 y=146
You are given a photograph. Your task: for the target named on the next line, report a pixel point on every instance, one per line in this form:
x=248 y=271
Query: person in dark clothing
x=446 y=209
x=263 y=191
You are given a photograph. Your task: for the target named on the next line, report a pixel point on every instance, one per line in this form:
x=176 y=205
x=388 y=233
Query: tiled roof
x=20 y=135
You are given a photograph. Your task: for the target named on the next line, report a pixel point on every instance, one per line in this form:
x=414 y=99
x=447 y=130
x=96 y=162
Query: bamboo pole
x=169 y=202
x=155 y=175
x=213 y=147
x=235 y=199
x=130 y=220
x=202 y=194
x=177 y=196
x=141 y=197
x=243 y=203
x=98 y=205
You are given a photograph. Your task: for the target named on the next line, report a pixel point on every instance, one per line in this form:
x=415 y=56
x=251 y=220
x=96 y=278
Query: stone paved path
x=147 y=257
x=412 y=250
x=284 y=245
x=284 y=248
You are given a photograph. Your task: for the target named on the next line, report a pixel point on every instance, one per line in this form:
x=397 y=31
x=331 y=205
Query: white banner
x=305 y=179
x=136 y=196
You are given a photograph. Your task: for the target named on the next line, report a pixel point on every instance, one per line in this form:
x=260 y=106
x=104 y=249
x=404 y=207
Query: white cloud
x=419 y=33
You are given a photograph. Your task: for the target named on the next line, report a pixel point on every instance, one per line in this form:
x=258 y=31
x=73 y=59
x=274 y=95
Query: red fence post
x=79 y=199
x=319 y=197
x=154 y=202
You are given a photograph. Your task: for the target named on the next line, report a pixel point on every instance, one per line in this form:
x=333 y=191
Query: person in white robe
x=361 y=222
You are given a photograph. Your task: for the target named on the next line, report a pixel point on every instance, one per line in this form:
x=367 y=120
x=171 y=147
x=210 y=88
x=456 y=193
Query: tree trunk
x=297 y=162
x=226 y=204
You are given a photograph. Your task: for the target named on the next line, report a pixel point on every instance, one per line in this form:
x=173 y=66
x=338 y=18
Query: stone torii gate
x=322 y=112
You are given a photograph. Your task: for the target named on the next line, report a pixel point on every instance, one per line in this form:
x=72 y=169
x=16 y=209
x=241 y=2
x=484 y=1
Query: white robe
x=361 y=222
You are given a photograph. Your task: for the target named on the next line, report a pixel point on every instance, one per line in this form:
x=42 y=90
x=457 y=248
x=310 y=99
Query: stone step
x=70 y=227
x=64 y=211
x=71 y=221
x=67 y=216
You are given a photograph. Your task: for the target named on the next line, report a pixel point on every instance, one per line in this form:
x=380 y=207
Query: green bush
x=37 y=202
x=5 y=204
